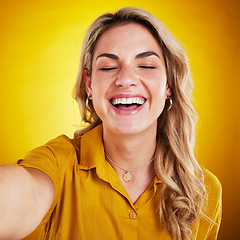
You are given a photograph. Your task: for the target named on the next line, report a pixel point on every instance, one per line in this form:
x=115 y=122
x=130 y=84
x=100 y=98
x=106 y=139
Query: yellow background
x=40 y=44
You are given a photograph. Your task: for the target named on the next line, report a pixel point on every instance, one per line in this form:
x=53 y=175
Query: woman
x=131 y=172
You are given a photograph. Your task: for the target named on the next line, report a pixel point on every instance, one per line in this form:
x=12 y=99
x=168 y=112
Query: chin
x=131 y=129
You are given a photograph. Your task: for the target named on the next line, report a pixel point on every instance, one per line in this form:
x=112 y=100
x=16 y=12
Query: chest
x=91 y=208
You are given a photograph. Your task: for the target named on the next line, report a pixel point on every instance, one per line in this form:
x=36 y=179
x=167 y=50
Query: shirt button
x=132 y=215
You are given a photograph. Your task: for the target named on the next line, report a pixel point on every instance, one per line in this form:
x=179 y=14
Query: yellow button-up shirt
x=91 y=203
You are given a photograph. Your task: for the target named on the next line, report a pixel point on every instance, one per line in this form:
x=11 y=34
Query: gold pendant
x=127 y=177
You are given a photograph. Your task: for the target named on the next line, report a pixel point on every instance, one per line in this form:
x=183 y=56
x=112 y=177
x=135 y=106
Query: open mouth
x=127 y=103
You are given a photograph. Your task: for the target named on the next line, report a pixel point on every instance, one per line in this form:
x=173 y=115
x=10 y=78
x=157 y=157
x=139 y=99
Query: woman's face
x=128 y=84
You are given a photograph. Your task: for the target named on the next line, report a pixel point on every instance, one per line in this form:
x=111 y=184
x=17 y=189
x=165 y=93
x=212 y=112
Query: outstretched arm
x=26 y=194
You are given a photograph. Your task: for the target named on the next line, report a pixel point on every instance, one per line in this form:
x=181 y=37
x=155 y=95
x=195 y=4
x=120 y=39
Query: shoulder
x=59 y=147
x=60 y=142
x=213 y=207
x=52 y=156
x=212 y=184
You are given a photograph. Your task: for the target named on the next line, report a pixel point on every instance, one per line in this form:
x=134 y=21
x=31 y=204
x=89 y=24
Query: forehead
x=127 y=37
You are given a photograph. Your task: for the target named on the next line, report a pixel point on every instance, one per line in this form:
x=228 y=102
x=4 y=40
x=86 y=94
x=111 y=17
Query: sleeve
x=214 y=206
x=50 y=159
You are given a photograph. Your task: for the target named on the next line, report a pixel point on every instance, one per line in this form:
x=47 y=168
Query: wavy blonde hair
x=182 y=189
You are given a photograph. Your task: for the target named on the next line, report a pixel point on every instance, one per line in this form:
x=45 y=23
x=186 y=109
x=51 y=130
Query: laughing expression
x=128 y=83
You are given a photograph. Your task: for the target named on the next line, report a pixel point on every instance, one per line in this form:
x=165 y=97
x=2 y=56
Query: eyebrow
x=138 y=56
x=108 y=55
x=146 y=54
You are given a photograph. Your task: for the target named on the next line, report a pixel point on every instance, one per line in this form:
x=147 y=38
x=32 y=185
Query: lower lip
x=127 y=111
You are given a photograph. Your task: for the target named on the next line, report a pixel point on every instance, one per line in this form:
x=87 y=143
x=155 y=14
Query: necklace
x=127 y=177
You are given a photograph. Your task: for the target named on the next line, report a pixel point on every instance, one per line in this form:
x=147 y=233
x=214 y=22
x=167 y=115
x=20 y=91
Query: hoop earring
x=87 y=103
x=170 y=103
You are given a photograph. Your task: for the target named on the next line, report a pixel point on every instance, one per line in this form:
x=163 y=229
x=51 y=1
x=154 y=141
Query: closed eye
x=108 y=69
x=147 y=67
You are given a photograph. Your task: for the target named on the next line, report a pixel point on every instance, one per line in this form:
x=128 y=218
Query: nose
x=126 y=78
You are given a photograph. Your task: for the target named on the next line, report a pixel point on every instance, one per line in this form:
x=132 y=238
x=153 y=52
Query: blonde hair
x=182 y=188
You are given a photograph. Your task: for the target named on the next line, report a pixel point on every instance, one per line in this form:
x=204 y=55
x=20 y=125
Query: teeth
x=135 y=100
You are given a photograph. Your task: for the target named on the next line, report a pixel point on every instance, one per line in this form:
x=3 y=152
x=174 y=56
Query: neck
x=130 y=151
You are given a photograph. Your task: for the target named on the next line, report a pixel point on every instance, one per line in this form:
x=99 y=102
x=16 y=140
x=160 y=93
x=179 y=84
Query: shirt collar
x=92 y=155
x=91 y=149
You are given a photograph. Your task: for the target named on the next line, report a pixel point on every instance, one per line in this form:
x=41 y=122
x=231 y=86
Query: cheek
x=99 y=91
x=96 y=85
x=157 y=84
x=158 y=92
x=157 y=76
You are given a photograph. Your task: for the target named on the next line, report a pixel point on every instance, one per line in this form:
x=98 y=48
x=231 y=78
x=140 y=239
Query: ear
x=88 y=84
x=168 y=91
